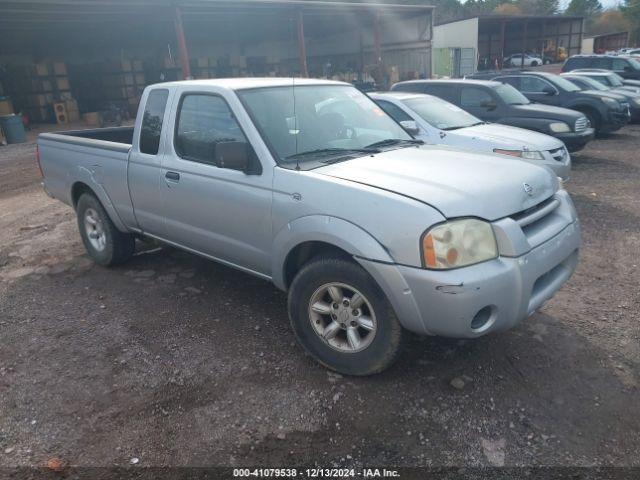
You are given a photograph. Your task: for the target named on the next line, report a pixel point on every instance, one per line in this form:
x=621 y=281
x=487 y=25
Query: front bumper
x=503 y=291
x=575 y=141
x=615 y=121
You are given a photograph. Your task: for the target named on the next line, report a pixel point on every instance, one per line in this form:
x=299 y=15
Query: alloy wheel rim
x=95 y=229
x=342 y=317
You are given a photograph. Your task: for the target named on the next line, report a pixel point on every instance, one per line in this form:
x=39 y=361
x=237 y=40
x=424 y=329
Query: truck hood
x=503 y=136
x=539 y=110
x=457 y=183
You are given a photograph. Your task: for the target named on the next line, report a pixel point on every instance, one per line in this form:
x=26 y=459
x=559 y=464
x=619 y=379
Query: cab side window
x=152 y=121
x=204 y=121
x=619 y=64
x=513 y=81
x=602 y=62
x=474 y=97
x=533 y=85
x=393 y=111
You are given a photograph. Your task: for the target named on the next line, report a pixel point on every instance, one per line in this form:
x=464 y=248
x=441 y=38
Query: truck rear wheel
x=103 y=241
x=342 y=318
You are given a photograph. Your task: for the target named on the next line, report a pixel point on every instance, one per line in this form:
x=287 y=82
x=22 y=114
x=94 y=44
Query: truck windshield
x=441 y=114
x=311 y=125
x=511 y=96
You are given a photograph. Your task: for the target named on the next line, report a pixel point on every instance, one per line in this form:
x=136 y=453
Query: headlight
x=559 y=127
x=528 y=154
x=458 y=243
x=611 y=102
x=636 y=101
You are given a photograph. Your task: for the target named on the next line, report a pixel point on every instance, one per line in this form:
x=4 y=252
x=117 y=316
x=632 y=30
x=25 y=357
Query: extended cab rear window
x=152 y=121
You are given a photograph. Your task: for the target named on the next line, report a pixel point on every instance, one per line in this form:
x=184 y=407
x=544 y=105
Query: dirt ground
x=175 y=360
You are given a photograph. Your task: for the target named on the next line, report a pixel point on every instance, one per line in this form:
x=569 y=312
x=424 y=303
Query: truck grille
x=581 y=124
x=559 y=154
x=539 y=223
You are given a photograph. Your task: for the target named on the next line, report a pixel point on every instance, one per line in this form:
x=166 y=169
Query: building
x=96 y=55
x=481 y=42
x=606 y=42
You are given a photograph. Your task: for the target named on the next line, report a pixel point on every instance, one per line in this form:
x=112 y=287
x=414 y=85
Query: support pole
x=304 y=71
x=503 y=27
x=376 y=38
x=524 y=43
x=544 y=34
x=182 y=45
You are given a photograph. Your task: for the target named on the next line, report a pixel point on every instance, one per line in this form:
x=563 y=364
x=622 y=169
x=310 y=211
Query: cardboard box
x=62 y=83
x=41 y=69
x=59 y=68
x=140 y=79
x=6 y=107
x=138 y=65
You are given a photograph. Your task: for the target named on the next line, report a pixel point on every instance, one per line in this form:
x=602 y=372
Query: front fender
x=328 y=229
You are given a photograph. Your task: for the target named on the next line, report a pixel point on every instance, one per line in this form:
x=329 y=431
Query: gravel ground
x=174 y=360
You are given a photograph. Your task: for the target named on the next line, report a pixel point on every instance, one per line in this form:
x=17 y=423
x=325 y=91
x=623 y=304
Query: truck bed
x=97 y=158
x=97 y=137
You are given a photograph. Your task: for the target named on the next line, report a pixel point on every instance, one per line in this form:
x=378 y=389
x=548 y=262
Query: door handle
x=172 y=176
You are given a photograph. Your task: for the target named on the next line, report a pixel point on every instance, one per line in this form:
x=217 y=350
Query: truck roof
x=461 y=81
x=251 y=82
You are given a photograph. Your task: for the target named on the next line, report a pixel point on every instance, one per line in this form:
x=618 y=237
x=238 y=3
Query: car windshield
x=511 y=96
x=307 y=126
x=563 y=83
x=615 y=80
x=441 y=114
x=591 y=84
x=634 y=63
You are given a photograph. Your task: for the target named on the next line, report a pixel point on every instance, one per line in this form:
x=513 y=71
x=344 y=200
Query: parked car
x=310 y=185
x=606 y=112
x=434 y=120
x=516 y=60
x=500 y=103
x=585 y=82
x=609 y=79
x=626 y=67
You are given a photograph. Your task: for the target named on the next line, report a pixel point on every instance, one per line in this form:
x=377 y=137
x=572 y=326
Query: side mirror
x=549 y=91
x=410 y=126
x=489 y=104
x=232 y=155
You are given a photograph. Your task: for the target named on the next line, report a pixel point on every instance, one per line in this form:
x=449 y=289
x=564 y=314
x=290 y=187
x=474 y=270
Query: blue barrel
x=13 y=128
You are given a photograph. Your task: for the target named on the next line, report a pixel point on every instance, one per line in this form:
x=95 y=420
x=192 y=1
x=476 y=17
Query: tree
x=583 y=8
x=538 y=7
x=608 y=21
x=631 y=10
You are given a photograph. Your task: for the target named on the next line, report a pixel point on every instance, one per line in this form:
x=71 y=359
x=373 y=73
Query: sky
x=605 y=3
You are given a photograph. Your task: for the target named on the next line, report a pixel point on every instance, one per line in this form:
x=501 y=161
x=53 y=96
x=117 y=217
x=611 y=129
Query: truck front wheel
x=342 y=318
x=103 y=241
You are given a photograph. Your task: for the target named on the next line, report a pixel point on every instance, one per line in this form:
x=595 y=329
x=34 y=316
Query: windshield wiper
x=394 y=141
x=321 y=152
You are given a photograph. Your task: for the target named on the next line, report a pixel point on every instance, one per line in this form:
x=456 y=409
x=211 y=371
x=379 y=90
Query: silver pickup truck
x=309 y=184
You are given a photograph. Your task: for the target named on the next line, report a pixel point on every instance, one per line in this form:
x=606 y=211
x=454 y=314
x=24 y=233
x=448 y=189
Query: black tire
x=389 y=336
x=534 y=64
x=118 y=246
x=594 y=119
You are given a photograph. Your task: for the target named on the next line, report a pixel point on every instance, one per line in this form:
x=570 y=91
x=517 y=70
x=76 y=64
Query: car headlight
x=528 y=154
x=636 y=101
x=559 y=127
x=611 y=102
x=458 y=243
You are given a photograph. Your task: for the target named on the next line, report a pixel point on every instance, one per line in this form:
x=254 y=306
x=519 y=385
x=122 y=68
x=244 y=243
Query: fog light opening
x=483 y=319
